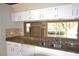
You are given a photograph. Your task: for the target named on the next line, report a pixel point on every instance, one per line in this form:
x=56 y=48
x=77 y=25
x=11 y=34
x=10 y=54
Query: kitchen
x=46 y=29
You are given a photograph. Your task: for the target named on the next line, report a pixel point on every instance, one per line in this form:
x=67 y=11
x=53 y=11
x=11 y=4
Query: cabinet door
x=64 y=11
x=21 y=16
x=25 y=15
x=16 y=16
x=9 y=48
x=13 y=49
x=47 y=13
x=75 y=9
x=35 y=15
x=40 y=51
x=28 y=50
x=16 y=49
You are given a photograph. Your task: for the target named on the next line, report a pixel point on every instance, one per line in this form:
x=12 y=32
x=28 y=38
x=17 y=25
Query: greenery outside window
x=62 y=29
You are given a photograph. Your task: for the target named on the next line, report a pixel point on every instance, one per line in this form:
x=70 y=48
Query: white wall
x=5 y=22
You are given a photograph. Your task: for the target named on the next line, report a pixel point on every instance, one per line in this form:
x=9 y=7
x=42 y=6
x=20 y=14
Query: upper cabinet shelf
x=68 y=11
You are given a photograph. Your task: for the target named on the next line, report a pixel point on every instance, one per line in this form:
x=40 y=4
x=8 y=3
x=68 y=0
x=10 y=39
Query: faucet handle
x=43 y=43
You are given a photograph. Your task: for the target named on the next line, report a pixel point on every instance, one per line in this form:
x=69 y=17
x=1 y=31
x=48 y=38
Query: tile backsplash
x=11 y=32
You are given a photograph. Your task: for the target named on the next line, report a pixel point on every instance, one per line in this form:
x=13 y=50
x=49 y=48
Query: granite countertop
x=42 y=43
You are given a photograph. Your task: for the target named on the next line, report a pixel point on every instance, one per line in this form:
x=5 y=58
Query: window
x=62 y=29
x=28 y=27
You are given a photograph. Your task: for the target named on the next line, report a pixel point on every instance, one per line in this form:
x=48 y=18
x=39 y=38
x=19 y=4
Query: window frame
x=56 y=21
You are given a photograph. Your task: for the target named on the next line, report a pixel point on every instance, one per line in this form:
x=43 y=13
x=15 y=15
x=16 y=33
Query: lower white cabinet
x=13 y=49
x=28 y=50
x=17 y=49
x=40 y=51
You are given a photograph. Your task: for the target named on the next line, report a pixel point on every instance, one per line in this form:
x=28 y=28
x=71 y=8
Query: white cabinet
x=16 y=16
x=64 y=11
x=43 y=14
x=17 y=49
x=28 y=50
x=75 y=9
x=40 y=51
x=35 y=14
x=58 y=12
x=21 y=16
x=67 y=11
x=48 y=13
x=13 y=49
x=25 y=16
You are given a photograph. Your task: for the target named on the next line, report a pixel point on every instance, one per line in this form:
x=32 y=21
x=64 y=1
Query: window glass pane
x=63 y=29
x=72 y=29
x=28 y=27
x=52 y=29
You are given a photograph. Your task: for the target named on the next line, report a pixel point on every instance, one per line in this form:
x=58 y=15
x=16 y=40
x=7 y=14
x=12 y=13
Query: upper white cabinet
x=35 y=14
x=64 y=11
x=21 y=16
x=15 y=16
x=67 y=11
x=42 y=14
x=47 y=13
x=58 y=12
x=75 y=10
x=25 y=15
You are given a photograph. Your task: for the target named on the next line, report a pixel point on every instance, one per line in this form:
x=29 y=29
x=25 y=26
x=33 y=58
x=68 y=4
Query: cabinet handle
x=72 y=12
x=12 y=49
x=77 y=12
x=19 y=18
x=55 y=8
